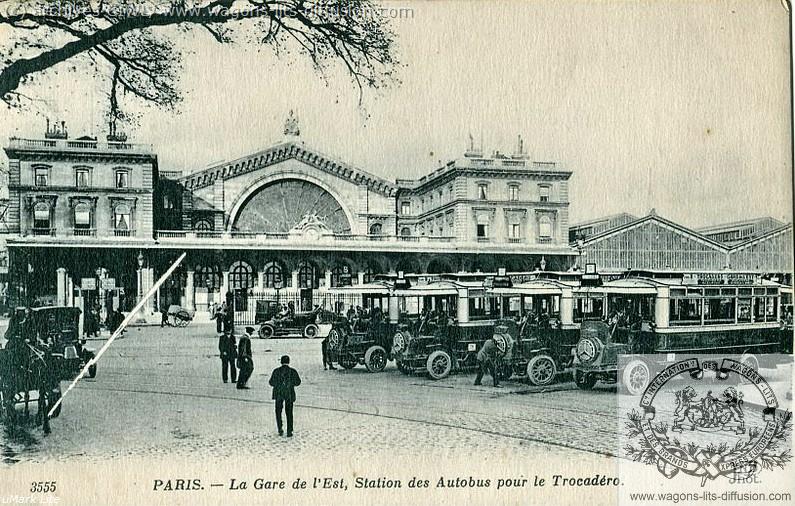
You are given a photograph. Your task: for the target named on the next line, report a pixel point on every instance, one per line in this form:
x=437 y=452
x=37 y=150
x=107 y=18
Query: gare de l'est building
x=98 y=221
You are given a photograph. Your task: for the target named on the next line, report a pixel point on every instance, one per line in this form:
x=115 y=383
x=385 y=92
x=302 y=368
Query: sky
x=680 y=106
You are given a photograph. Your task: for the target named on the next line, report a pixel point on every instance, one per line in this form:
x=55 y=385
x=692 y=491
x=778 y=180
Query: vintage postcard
x=396 y=252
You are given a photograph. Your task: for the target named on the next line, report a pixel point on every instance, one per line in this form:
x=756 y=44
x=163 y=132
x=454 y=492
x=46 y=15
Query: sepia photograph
x=396 y=252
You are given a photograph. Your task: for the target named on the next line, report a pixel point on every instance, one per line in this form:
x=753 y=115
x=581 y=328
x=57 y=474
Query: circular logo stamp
x=707 y=419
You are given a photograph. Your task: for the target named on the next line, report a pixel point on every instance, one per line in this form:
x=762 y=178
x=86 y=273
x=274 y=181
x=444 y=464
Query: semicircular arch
x=270 y=180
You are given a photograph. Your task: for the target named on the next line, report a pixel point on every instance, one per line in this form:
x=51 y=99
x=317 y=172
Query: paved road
x=159 y=392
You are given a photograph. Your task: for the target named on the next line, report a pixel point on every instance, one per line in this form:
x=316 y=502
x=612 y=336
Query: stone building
x=286 y=221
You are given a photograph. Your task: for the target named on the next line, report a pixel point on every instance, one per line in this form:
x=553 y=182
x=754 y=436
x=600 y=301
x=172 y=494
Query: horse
x=25 y=367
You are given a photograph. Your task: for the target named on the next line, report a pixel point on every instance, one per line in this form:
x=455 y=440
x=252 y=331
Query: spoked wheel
x=375 y=359
x=439 y=364
x=310 y=331
x=636 y=377
x=348 y=361
x=334 y=340
x=584 y=380
x=266 y=332
x=541 y=370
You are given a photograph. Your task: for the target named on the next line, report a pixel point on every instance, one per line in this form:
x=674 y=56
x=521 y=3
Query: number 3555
x=42 y=486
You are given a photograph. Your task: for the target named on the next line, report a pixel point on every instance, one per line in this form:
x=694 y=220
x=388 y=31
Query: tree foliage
x=133 y=43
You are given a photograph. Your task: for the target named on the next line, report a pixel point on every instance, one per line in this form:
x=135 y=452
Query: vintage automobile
x=441 y=326
x=537 y=317
x=659 y=316
x=363 y=338
x=305 y=324
x=59 y=329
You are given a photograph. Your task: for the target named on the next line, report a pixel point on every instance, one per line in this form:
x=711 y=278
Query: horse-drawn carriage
x=362 y=336
x=42 y=348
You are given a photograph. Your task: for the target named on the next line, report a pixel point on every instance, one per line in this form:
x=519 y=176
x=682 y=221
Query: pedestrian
x=487 y=362
x=229 y=314
x=163 y=315
x=218 y=316
x=245 y=360
x=284 y=379
x=226 y=345
x=327 y=362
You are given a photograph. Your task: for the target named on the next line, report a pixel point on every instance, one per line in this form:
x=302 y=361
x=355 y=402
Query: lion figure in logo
x=724 y=413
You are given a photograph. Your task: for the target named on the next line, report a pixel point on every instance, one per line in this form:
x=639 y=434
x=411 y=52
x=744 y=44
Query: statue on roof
x=291 y=125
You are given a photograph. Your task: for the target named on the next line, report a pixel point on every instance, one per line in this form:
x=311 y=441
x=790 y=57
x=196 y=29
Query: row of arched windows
x=243 y=276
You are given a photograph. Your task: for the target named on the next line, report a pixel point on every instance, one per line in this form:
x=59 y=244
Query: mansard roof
x=284 y=151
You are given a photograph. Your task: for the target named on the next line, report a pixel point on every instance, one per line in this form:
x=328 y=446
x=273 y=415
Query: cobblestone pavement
x=158 y=392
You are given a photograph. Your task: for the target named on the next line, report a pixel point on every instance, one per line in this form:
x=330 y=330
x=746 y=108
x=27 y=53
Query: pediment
x=286 y=151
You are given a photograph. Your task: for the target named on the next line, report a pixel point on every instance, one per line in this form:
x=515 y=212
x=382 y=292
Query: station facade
x=287 y=220
x=90 y=221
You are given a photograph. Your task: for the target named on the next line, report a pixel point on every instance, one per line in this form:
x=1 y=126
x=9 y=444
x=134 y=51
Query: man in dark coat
x=245 y=360
x=487 y=362
x=284 y=379
x=226 y=345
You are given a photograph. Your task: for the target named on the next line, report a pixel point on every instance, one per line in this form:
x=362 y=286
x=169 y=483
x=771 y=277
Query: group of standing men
x=236 y=354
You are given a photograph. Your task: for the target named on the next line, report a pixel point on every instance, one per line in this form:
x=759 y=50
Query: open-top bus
x=441 y=326
x=673 y=314
x=361 y=333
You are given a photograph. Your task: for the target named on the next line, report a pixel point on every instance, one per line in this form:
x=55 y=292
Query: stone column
x=260 y=280
x=61 y=286
x=70 y=292
x=463 y=306
x=566 y=308
x=328 y=279
x=294 y=279
x=224 y=285
x=190 y=294
x=360 y=276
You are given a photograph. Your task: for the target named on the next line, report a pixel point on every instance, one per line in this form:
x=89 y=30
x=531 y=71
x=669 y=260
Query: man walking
x=487 y=362
x=245 y=361
x=284 y=379
x=226 y=345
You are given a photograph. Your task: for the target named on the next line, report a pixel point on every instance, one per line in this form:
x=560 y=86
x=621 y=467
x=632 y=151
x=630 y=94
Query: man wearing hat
x=284 y=379
x=227 y=348
x=245 y=361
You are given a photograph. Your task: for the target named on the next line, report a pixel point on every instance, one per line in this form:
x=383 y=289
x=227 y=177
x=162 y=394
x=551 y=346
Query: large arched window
x=207 y=276
x=376 y=229
x=274 y=275
x=306 y=275
x=41 y=218
x=341 y=275
x=241 y=276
